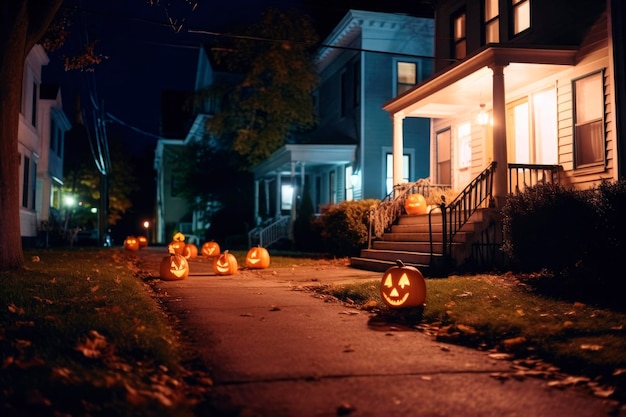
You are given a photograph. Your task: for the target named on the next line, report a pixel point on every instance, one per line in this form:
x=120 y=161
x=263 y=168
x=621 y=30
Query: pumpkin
x=415 y=204
x=258 y=258
x=173 y=267
x=143 y=241
x=210 y=249
x=178 y=246
x=225 y=264
x=190 y=251
x=403 y=286
x=131 y=243
x=178 y=237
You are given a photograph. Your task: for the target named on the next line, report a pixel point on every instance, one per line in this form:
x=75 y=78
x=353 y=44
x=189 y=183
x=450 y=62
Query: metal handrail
x=270 y=233
x=527 y=175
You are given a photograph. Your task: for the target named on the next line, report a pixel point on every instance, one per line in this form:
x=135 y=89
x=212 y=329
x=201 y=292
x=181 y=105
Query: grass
x=506 y=314
x=81 y=335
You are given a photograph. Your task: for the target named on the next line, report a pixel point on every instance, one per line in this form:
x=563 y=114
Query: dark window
x=25 y=188
x=33 y=117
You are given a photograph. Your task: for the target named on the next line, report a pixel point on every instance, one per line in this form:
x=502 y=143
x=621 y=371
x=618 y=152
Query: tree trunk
x=22 y=23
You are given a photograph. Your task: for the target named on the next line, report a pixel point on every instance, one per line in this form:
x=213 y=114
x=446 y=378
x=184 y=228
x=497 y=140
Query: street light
x=146 y=225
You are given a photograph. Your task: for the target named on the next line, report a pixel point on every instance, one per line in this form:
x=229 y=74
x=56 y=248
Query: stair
x=409 y=241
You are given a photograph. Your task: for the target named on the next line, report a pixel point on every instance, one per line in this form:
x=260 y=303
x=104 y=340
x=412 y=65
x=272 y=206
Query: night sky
x=147 y=56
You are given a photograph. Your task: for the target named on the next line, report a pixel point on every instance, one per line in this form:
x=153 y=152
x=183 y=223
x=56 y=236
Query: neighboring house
x=41 y=136
x=173 y=213
x=533 y=86
x=367 y=59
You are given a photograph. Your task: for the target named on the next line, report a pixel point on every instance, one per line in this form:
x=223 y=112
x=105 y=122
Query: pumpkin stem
x=399 y=263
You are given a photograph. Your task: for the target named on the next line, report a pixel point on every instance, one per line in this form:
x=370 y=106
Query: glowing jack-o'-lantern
x=131 y=243
x=415 y=204
x=403 y=286
x=143 y=241
x=173 y=267
x=178 y=237
x=211 y=249
x=225 y=264
x=258 y=258
x=190 y=251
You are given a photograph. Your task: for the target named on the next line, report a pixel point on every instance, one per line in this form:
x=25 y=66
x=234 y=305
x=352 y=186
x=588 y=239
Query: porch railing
x=454 y=215
x=271 y=233
x=527 y=175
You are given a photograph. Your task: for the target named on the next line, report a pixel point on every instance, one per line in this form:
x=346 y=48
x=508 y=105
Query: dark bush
x=345 y=227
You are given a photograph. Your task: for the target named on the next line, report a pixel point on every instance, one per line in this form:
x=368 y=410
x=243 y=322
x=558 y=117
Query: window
x=406 y=160
x=286 y=197
x=444 y=162
x=459 y=35
x=332 y=194
x=521 y=15
x=589 y=143
x=407 y=76
x=492 y=22
x=33 y=116
x=25 y=184
x=348 y=183
x=465 y=145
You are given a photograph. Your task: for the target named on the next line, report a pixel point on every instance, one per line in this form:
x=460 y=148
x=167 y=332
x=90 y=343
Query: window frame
x=576 y=126
x=491 y=21
x=400 y=87
x=518 y=5
x=459 y=39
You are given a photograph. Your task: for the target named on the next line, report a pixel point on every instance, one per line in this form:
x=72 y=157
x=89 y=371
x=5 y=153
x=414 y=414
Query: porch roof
x=311 y=155
x=466 y=85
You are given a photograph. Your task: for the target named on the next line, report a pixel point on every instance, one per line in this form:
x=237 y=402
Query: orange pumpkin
x=225 y=264
x=258 y=258
x=178 y=237
x=143 y=241
x=210 y=249
x=415 y=204
x=178 y=246
x=173 y=267
x=190 y=251
x=131 y=243
x=403 y=286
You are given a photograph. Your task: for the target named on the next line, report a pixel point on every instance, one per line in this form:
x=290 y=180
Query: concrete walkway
x=275 y=350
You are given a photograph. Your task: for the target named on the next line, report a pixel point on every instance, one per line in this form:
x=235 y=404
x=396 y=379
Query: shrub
x=345 y=227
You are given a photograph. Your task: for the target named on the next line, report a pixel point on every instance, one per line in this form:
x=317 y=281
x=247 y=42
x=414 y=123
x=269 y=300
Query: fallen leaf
x=591 y=347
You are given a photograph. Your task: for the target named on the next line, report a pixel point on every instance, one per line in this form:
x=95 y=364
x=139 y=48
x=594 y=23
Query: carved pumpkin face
x=178 y=246
x=131 y=243
x=174 y=267
x=143 y=241
x=190 y=251
x=415 y=204
x=178 y=237
x=403 y=286
x=225 y=264
x=258 y=258
x=211 y=249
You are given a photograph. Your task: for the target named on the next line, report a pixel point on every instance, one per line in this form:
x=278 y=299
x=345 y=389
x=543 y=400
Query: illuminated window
x=521 y=15
x=348 y=183
x=465 y=145
x=286 y=197
x=459 y=36
x=589 y=143
x=444 y=160
x=406 y=160
x=492 y=22
x=407 y=76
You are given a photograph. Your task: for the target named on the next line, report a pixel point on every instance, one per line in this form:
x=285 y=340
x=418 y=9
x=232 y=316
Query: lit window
x=286 y=199
x=465 y=146
x=521 y=15
x=589 y=143
x=407 y=76
x=460 y=37
x=405 y=171
x=348 y=183
x=492 y=31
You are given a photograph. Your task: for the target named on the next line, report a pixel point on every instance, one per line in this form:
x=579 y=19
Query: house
x=367 y=59
x=524 y=91
x=41 y=136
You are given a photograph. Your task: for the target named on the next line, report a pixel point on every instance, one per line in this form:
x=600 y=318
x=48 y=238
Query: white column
x=278 y=195
x=500 y=186
x=397 y=147
x=266 y=188
x=256 y=203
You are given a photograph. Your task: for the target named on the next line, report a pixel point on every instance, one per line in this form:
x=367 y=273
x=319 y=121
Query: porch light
x=483 y=117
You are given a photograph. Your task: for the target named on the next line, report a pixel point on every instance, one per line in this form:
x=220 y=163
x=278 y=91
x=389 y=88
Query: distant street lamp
x=146 y=225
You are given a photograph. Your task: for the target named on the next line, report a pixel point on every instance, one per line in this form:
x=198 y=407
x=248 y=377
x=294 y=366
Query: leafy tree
x=273 y=99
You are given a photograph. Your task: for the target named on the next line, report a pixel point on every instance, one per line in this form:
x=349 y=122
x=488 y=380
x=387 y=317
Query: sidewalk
x=275 y=350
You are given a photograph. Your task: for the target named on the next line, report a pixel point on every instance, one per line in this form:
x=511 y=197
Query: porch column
x=397 y=148
x=266 y=189
x=278 y=195
x=293 y=198
x=256 y=203
x=500 y=187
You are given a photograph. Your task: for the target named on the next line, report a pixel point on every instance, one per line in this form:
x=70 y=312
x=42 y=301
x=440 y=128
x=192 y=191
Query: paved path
x=275 y=350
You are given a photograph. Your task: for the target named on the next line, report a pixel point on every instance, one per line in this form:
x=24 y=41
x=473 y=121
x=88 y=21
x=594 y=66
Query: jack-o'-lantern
x=415 y=204
x=131 y=243
x=178 y=246
x=190 y=251
x=178 y=237
x=258 y=258
x=403 y=286
x=173 y=267
x=143 y=241
x=210 y=249
x=225 y=264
